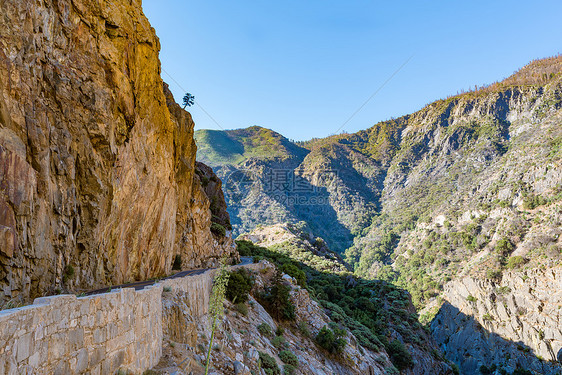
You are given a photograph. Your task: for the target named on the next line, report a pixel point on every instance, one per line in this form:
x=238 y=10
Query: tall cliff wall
x=96 y=160
x=513 y=322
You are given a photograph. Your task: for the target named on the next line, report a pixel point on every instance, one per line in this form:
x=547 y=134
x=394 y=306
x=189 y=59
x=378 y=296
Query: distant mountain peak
x=233 y=147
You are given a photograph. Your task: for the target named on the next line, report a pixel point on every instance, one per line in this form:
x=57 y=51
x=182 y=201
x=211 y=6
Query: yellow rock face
x=97 y=180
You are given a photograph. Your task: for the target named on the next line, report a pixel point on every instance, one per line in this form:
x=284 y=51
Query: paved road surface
x=138 y=285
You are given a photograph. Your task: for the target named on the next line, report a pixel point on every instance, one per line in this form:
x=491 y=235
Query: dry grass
x=536 y=73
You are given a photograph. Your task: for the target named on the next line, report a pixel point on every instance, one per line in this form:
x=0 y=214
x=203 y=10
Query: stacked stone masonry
x=97 y=334
x=100 y=334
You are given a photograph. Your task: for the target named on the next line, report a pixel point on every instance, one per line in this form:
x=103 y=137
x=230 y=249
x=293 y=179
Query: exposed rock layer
x=96 y=160
x=240 y=340
x=509 y=322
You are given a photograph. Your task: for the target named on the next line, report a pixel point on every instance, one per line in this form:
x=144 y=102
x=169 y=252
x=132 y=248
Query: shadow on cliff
x=379 y=314
x=312 y=205
x=470 y=345
x=275 y=190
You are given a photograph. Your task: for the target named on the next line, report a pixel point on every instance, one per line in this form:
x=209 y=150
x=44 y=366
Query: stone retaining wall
x=98 y=334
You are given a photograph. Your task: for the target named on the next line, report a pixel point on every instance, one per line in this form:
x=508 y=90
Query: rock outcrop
x=297 y=241
x=212 y=186
x=239 y=340
x=512 y=323
x=248 y=329
x=97 y=162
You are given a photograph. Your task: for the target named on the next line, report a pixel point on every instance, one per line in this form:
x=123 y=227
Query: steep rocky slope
x=379 y=315
x=212 y=186
x=512 y=323
x=469 y=186
x=97 y=161
x=250 y=333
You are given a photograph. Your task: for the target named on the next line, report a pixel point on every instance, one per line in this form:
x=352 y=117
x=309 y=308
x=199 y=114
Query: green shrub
x=303 y=329
x=504 y=247
x=364 y=335
x=289 y=369
x=218 y=229
x=279 y=331
x=288 y=357
x=515 y=262
x=239 y=285
x=279 y=342
x=471 y=298
x=276 y=299
x=244 y=248
x=268 y=364
x=503 y=290
x=494 y=274
x=265 y=330
x=68 y=273
x=533 y=201
x=399 y=355
x=242 y=308
x=331 y=340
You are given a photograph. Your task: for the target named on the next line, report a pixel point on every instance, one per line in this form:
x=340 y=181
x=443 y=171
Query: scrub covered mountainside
x=467 y=187
x=297 y=242
x=493 y=150
x=379 y=315
x=347 y=180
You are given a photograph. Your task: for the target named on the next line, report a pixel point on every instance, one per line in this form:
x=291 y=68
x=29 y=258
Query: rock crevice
x=97 y=182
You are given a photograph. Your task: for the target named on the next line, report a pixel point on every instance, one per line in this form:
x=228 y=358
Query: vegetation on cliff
x=412 y=200
x=469 y=186
x=376 y=312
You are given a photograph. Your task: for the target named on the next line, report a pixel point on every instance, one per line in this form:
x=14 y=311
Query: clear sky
x=302 y=68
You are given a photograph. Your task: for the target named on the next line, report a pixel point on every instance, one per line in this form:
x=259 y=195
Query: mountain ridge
x=468 y=186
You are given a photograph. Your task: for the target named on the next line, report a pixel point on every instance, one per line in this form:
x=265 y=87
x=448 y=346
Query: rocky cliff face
x=212 y=186
x=512 y=323
x=96 y=160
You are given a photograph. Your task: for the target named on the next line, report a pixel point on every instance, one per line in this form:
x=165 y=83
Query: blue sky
x=302 y=68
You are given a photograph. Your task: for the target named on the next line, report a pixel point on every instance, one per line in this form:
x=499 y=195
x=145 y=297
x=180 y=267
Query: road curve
x=138 y=285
